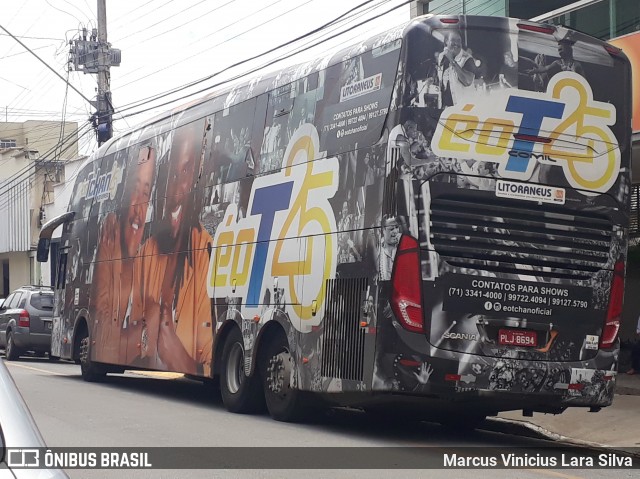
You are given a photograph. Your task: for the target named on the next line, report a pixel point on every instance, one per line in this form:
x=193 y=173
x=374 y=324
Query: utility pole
x=105 y=108
x=95 y=55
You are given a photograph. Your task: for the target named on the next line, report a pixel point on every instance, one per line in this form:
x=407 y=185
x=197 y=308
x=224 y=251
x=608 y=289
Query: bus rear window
x=42 y=301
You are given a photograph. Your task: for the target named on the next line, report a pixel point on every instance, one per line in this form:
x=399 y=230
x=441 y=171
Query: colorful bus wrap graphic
x=285 y=236
x=517 y=129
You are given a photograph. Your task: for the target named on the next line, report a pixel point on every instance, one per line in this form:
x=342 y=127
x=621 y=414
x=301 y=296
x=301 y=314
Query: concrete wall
x=40 y=135
x=20 y=270
x=631 y=302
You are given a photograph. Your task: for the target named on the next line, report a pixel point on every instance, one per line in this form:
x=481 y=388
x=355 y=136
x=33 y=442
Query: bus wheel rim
x=235 y=368
x=279 y=374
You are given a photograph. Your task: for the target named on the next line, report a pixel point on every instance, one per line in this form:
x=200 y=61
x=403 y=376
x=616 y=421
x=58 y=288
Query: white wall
x=62 y=196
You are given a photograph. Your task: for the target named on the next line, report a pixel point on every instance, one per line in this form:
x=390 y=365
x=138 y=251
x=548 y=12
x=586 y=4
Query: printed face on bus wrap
x=140 y=184
x=179 y=182
x=391 y=231
x=453 y=44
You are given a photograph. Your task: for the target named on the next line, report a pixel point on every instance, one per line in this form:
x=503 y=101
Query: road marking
x=34 y=369
x=158 y=374
x=155 y=374
x=555 y=474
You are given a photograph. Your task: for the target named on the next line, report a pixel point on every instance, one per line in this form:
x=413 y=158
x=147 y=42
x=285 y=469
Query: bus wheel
x=91 y=372
x=283 y=402
x=240 y=393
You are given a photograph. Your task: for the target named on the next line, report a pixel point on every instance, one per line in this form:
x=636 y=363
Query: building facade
x=31 y=165
x=604 y=19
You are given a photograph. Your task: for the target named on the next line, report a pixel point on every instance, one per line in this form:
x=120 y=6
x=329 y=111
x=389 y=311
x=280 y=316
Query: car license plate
x=515 y=337
x=49 y=325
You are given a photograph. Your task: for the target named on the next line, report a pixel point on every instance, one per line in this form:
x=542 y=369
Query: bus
x=434 y=217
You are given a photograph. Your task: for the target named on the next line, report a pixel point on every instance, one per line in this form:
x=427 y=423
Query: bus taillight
x=614 y=312
x=613 y=51
x=406 y=298
x=548 y=29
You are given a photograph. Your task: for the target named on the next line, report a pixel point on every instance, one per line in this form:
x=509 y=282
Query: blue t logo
x=266 y=201
x=533 y=112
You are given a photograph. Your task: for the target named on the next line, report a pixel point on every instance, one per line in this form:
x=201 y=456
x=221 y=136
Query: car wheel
x=91 y=372
x=11 y=350
x=284 y=402
x=240 y=393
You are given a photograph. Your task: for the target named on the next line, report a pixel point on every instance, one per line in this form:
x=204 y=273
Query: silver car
x=25 y=321
x=18 y=430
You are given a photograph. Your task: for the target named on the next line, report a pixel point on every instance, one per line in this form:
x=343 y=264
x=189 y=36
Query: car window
x=23 y=301
x=42 y=301
x=15 y=300
x=7 y=301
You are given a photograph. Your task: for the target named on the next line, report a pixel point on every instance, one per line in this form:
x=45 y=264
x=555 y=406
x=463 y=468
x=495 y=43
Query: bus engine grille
x=546 y=240
x=343 y=338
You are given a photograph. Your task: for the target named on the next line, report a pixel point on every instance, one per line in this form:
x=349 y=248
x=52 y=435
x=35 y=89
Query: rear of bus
x=509 y=152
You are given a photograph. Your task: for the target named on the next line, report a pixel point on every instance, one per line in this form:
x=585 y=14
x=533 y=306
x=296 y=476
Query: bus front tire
x=284 y=402
x=240 y=393
x=91 y=372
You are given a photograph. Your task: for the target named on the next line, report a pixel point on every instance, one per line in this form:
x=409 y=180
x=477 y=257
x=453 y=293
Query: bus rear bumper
x=500 y=384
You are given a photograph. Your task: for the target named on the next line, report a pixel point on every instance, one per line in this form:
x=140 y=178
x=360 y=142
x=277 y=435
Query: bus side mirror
x=43 y=250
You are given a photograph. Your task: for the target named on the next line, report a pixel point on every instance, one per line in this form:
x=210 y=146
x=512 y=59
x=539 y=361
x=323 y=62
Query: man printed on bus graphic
x=120 y=238
x=391 y=232
x=456 y=70
x=565 y=63
x=174 y=310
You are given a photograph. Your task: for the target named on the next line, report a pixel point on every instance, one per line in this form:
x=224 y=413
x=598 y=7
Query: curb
x=627 y=391
x=529 y=429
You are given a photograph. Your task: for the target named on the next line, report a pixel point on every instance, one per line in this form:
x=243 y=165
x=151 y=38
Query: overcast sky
x=165 y=44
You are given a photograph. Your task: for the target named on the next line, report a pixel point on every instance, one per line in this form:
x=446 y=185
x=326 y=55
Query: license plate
x=514 y=337
x=49 y=325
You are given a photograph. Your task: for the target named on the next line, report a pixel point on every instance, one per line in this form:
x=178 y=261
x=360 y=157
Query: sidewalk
x=616 y=426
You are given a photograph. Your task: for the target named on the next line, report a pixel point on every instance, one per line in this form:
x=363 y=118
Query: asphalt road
x=136 y=410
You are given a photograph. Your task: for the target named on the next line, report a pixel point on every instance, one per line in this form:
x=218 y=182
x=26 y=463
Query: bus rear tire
x=284 y=403
x=91 y=372
x=241 y=394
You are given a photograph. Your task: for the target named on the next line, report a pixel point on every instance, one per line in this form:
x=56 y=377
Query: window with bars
x=7 y=143
x=634 y=217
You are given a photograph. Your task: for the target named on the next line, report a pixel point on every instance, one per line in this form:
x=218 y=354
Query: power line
x=219 y=72
x=172 y=16
x=341 y=17
x=406 y=2
x=210 y=47
x=43 y=62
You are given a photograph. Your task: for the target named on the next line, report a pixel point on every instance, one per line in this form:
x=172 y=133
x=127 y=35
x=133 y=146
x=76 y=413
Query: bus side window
x=232 y=130
x=62 y=271
x=276 y=128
